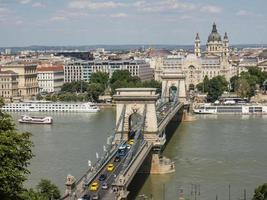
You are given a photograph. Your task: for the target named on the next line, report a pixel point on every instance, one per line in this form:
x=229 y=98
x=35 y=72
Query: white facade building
x=82 y=70
x=50 y=79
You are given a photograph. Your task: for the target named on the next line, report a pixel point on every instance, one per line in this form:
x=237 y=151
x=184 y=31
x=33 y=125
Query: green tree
x=260 y=76
x=260 y=192
x=233 y=83
x=121 y=75
x=217 y=85
x=100 y=78
x=48 y=190
x=151 y=84
x=191 y=86
x=120 y=84
x=75 y=86
x=243 y=88
x=67 y=96
x=30 y=194
x=15 y=154
x=94 y=90
x=204 y=86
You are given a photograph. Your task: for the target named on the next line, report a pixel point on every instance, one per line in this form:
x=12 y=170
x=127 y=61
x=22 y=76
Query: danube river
x=212 y=153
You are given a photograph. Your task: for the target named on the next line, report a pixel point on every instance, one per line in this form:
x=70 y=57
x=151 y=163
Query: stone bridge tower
x=131 y=105
x=173 y=79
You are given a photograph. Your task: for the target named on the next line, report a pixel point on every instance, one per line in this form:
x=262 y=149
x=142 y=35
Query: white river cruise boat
x=230 y=109
x=35 y=120
x=48 y=106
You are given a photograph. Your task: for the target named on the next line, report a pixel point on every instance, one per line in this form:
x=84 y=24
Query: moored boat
x=231 y=109
x=35 y=120
x=48 y=106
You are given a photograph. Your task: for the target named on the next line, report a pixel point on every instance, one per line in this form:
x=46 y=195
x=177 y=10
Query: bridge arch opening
x=172 y=92
x=135 y=121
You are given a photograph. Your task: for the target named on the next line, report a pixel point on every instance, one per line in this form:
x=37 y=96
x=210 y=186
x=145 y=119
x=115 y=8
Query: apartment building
x=82 y=70
x=8 y=85
x=27 y=78
x=51 y=78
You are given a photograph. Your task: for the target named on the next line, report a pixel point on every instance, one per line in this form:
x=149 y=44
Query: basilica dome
x=214 y=35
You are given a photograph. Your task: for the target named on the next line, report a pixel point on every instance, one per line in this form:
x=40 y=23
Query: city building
x=82 y=70
x=76 y=70
x=51 y=78
x=8 y=85
x=210 y=63
x=27 y=78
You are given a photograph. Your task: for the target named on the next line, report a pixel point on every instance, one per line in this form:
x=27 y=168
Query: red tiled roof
x=51 y=68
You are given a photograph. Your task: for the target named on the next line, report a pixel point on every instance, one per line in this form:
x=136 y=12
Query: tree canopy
x=247 y=83
x=15 y=154
x=100 y=78
x=260 y=192
x=214 y=87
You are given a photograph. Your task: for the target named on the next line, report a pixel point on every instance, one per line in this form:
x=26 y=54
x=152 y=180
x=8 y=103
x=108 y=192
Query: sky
x=91 y=22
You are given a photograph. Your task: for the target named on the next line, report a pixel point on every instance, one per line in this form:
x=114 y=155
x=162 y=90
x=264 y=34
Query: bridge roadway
x=164 y=114
x=109 y=179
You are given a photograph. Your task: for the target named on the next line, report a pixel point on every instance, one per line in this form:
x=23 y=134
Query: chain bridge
x=136 y=144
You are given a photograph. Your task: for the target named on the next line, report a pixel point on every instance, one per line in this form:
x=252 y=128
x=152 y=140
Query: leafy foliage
x=260 y=192
x=100 y=78
x=248 y=81
x=217 y=85
x=45 y=190
x=75 y=86
x=15 y=154
x=48 y=190
x=214 y=87
x=94 y=90
x=123 y=79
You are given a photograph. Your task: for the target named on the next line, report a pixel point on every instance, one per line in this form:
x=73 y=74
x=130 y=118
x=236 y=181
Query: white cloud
x=93 y=5
x=242 y=13
x=160 y=6
x=38 y=5
x=24 y=1
x=211 y=9
x=58 y=18
x=18 y=22
x=119 y=15
x=246 y=13
x=3 y=10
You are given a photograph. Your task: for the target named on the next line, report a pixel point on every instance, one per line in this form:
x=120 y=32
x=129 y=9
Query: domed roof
x=214 y=35
x=159 y=53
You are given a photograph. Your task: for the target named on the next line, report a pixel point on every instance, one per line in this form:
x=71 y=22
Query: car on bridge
x=104 y=186
x=122 y=150
x=117 y=159
x=102 y=177
x=94 y=186
x=110 y=167
x=85 y=197
x=131 y=141
x=95 y=196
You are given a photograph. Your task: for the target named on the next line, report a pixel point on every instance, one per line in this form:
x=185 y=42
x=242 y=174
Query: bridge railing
x=168 y=112
x=143 y=143
x=91 y=174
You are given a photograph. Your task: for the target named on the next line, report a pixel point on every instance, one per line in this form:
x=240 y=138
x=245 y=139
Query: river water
x=210 y=153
